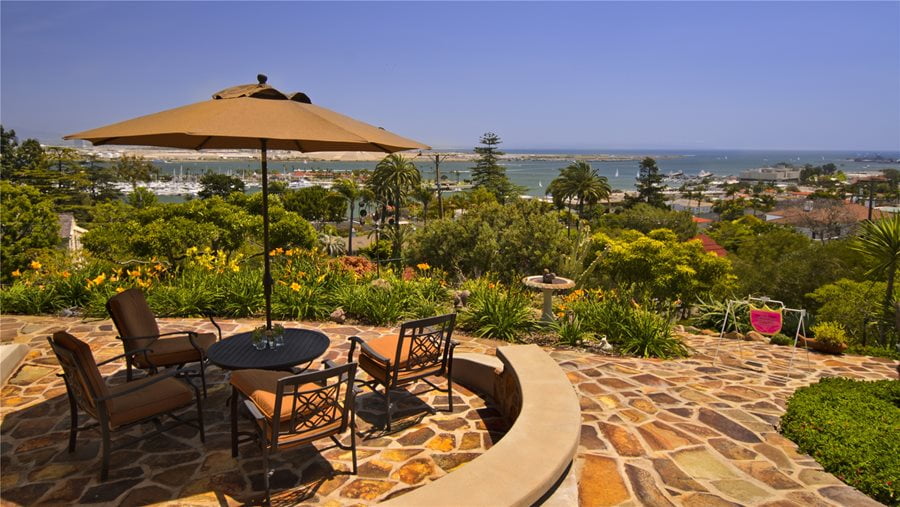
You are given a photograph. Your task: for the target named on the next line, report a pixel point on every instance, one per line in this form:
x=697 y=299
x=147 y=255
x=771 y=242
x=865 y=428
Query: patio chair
x=120 y=406
x=310 y=406
x=139 y=331
x=423 y=348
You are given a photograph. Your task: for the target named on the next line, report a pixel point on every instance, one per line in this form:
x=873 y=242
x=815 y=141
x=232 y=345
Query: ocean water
x=535 y=175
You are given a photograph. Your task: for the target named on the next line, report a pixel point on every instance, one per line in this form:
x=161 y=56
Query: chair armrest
x=369 y=350
x=155 y=379
x=254 y=411
x=157 y=336
x=216 y=324
x=120 y=356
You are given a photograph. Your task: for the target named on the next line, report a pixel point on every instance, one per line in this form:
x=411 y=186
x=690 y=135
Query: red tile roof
x=710 y=245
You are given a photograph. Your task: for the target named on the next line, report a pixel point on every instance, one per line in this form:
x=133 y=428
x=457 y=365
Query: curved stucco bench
x=531 y=459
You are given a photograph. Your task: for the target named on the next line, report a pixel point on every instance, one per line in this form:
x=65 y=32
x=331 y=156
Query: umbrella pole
x=267 y=275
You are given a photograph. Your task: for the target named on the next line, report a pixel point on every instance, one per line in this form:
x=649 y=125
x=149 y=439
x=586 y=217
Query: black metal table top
x=238 y=353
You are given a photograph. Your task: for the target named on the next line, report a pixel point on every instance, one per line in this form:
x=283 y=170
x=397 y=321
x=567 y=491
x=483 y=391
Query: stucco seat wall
x=534 y=454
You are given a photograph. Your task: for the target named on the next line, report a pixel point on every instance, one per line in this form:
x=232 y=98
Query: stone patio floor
x=684 y=432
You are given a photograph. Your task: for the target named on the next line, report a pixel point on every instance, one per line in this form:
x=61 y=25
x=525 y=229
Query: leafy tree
x=488 y=173
x=471 y=199
x=581 y=182
x=511 y=240
x=142 y=198
x=134 y=169
x=394 y=177
x=849 y=303
x=645 y=218
x=315 y=203
x=423 y=194
x=219 y=184
x=352 y=192
x=879 y=243
x=29 y=226
x=658 y=266
x=649 y=184
x=731 y=209
x=732 y=235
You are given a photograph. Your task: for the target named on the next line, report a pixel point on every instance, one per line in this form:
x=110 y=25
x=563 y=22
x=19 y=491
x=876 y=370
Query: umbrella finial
x=262 y=78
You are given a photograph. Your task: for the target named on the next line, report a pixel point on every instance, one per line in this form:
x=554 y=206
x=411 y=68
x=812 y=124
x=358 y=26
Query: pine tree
x=488 y=173
x=649 y=185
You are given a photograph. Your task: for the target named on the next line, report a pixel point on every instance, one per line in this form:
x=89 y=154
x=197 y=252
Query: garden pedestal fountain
x=548 y=283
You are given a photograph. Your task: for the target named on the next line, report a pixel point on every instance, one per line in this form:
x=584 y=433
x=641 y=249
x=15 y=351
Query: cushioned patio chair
x=310 y=406
x=120 y=406
x=139 y=331
x=423 y=349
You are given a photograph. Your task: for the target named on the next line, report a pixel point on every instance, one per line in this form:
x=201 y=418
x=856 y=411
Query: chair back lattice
x=80 y=372
x=133 y=317
x=427 y=344
x=321 y=403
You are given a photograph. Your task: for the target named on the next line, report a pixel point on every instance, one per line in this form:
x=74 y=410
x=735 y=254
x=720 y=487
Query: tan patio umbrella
x=251 y=117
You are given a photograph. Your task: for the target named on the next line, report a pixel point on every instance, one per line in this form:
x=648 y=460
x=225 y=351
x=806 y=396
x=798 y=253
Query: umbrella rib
x=382 y=148
x=201 y=145
x=299 y=147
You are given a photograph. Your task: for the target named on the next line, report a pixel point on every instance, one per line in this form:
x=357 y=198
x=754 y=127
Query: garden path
x=685 y=432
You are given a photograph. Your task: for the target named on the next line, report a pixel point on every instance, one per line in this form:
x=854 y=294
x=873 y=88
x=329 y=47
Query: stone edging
x=527 y=463
x=11 y=356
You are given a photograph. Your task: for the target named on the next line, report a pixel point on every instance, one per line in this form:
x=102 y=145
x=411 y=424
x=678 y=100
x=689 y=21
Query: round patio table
x=238 y=353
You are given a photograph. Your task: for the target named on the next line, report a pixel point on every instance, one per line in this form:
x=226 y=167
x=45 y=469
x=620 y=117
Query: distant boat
x=617 y=173
x=541 y=185
x=704 y=174
x=676 y=174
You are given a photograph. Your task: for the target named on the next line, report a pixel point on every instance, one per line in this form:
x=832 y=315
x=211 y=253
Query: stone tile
x=673 y=477
x=660 y=436
x=731 y=449
x=701 y=464
x=621 y=439
x=705 y=500
x=727 y=426
x=845 y=495
x=644 y=487
x=366 y=489
x=767 y=474
x=745 y=492
x=450 y=462
x=601 y=483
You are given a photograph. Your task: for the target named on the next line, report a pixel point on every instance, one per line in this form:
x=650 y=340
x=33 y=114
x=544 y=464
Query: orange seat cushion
x=159 y=398
x=176 y=350
x=260 y=387
x=387 y=347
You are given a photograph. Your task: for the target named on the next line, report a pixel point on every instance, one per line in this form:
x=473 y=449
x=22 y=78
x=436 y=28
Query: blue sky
x=706 y=75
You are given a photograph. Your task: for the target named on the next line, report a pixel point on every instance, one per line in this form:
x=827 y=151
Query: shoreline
x=172 y=155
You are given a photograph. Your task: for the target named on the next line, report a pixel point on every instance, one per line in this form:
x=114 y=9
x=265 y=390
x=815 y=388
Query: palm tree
x=879 y=242
x=352 y=191
x=579 y=181
x=425 y=195
x=391 y=181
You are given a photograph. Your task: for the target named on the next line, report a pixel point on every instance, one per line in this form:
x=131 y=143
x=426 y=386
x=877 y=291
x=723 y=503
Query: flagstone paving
x=687 y=432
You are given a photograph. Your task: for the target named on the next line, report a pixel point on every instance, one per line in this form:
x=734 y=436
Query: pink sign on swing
x=766 y=321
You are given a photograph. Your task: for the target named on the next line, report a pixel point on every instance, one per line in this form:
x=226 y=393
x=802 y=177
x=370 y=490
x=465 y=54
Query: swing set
x=766 y=318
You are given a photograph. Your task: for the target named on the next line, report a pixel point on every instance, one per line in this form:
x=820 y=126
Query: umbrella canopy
x=251 y=117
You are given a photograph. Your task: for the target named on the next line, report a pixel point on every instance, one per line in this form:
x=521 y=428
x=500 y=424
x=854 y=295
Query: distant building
x=770 y=174
x=824 y=219
x=69 y=232
x=691 y=205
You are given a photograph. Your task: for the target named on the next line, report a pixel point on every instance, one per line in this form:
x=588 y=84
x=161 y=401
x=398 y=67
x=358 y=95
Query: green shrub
x=572 y=330
x=780 y=339
x=711 y=315
x=830 y=333
x=859 y=350
x=852 y=428
x=852 y=304
x=499 y=312
x=647 y=334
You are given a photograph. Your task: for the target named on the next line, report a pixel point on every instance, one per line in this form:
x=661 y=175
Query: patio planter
x=827 y=348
